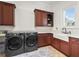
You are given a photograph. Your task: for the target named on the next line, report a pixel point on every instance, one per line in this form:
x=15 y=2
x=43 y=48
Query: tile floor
x=47 y=51
x=2 y=54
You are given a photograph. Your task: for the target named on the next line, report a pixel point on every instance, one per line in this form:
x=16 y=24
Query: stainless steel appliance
x=30 y=41
x=14 y=44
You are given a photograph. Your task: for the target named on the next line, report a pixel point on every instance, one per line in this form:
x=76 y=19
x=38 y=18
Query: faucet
x=69 y=32
x=65 y=31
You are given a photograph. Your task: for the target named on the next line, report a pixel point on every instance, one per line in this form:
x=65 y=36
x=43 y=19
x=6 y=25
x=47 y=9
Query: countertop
x=74 y=35
x=65 y=37
x=2 y=34
x=69 y=35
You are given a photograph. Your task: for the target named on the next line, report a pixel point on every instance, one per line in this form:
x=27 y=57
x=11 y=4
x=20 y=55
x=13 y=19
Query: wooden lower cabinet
x=41 y=40
x=61 y=45
x=48 y=38
x=64 y=47
x=74 y=47
x=56 y=43
x=44 y=39
x=70 y=48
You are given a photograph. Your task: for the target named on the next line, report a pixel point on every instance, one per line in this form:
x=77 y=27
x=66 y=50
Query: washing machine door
x=31 y=41
x=14 y=43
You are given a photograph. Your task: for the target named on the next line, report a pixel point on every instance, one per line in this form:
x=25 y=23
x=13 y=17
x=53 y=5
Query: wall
x=24 y=15
x=59 y=8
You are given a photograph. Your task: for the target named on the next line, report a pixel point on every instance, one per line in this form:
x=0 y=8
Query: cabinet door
x=38 y=18
x=49 y=39
x=1 y=14
x=64 y=47
x=44 y=19
x=74 y=47
x=52 y=41
x=44 y=39
x=41 y=40
x=56 y=43
x=8 y=15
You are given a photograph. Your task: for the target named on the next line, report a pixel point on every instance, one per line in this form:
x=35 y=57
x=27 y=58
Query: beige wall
x=24 y=16
x=59 y=8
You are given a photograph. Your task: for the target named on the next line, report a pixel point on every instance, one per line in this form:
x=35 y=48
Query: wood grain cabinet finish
x=44 y=39
x=7 y=13
x=49 y=38
x=64 y=47
x=43 y=18
x=74 y=47
x=61 y=45
x=70 y=48
x=41 y=40
x=56 y=43
x=0 y=13
x=38 y=18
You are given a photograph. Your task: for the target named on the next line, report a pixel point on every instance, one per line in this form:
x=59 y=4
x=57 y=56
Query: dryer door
x=31 y=41
x=14 y=43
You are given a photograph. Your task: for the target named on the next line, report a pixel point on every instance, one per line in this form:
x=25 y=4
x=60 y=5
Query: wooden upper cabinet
x=38 y=15
x=7 y=13
x=0 y=13
x=43 y=18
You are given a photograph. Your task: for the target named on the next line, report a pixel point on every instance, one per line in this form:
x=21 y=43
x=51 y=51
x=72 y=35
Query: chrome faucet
x=64 y=30
x=69 y=32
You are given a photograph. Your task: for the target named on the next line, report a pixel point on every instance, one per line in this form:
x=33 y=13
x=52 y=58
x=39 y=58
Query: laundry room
x=39 y=28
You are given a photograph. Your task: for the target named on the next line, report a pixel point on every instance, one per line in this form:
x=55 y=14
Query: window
x=70 y=14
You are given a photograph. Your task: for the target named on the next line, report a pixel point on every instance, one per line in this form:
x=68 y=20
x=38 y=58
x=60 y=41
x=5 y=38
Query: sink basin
x=64 y=37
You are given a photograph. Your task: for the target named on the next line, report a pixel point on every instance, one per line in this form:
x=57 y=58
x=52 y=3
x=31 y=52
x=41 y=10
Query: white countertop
x=65 y=37
x=74 y=35
x=61 y=37
x=44 y=32
x=2 y=34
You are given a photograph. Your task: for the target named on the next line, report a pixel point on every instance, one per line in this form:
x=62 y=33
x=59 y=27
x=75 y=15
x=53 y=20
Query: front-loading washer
x=14 y=44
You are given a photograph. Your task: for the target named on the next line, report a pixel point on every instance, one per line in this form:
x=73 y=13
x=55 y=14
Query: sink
x=64 y=37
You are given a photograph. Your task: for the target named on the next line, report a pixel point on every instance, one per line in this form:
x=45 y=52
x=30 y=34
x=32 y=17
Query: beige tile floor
x=47 y=51
x=55 y=52
x=2 y=55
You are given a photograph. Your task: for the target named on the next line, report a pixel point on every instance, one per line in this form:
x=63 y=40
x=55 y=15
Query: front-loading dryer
x=14 y=44
x=30 y=41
